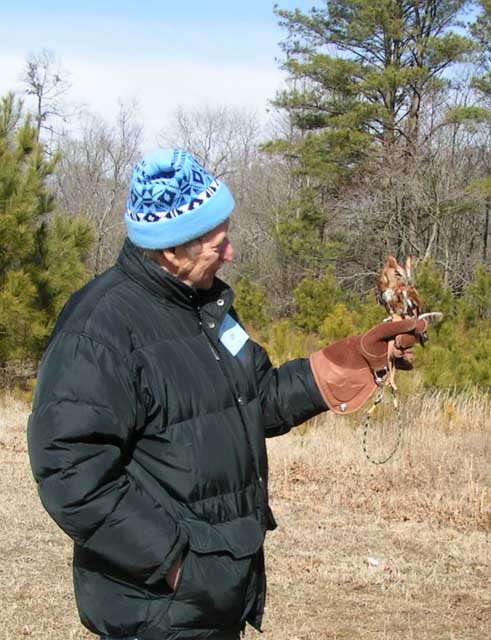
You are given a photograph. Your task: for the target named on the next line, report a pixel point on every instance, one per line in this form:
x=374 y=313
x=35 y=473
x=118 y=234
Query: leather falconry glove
x=346 y=371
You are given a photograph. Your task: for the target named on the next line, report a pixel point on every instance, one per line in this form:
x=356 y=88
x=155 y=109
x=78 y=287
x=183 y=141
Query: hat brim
x=165 y=233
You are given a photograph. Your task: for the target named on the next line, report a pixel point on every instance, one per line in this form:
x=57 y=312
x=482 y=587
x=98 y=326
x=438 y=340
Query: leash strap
x=378 y=399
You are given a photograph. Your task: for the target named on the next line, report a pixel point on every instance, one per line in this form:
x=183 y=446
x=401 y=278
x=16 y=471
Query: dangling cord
x=378 y=399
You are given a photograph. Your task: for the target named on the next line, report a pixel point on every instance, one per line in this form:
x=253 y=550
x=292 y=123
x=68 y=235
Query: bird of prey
x=396 y=292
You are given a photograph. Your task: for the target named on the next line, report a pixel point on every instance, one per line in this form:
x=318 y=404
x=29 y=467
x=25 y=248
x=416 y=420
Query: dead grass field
x=400 y=551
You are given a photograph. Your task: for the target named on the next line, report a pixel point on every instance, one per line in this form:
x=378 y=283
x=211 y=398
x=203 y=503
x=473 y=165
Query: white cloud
x=11 y=64
x=159 y=86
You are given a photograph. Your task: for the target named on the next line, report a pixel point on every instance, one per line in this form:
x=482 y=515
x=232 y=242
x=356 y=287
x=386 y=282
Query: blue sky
x=162 y=53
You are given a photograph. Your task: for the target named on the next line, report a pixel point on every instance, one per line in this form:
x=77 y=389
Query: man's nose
x=228 y=252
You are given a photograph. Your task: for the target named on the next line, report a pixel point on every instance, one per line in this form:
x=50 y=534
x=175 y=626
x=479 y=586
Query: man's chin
x=205 y=285
x=207 y=281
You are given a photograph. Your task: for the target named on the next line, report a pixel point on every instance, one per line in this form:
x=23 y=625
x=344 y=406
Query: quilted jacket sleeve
x=80 y=435
x=289 y=394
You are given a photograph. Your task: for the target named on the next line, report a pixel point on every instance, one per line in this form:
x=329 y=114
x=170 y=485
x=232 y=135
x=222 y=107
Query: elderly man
x=147 y=435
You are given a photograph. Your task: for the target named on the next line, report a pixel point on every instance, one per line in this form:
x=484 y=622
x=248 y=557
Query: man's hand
x=374 y=343
x=345 y=371
x=172 y=577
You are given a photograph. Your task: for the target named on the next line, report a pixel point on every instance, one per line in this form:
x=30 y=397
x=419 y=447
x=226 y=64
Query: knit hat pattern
x=172 y=199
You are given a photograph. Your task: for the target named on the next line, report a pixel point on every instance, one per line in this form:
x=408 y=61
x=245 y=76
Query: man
x=147 y=436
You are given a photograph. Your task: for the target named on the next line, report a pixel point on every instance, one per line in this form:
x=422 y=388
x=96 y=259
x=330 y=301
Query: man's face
x=201 y=259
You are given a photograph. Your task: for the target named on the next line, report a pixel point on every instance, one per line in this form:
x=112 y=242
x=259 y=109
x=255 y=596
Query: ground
x=361 y=551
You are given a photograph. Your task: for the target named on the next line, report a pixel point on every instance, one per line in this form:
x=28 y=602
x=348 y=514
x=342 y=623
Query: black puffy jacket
x=147 y=440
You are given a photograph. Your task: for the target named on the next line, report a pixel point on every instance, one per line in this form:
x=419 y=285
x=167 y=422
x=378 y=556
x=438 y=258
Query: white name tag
x=232 y=335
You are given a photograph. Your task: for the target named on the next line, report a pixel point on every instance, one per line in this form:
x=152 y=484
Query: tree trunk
x=487 y=207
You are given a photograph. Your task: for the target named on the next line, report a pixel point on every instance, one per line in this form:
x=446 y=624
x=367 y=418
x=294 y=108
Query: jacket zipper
x=238 y=399
x=210 y=344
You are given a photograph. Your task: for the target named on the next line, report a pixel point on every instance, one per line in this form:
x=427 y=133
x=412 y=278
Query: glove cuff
x=344 y=390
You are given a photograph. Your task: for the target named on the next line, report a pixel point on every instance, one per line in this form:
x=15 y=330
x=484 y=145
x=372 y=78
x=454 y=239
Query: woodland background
x=379 y=144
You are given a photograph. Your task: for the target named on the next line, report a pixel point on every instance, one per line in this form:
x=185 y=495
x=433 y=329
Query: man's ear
x=168 y=259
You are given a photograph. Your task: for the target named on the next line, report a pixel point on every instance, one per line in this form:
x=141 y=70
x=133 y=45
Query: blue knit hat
x=172 y=200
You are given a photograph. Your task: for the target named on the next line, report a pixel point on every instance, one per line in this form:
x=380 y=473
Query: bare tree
x=47 y=82
x=221 y=137
x=93 y=177
x=226 y=140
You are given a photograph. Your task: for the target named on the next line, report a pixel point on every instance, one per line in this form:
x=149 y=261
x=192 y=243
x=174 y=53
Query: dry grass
x=391 y=552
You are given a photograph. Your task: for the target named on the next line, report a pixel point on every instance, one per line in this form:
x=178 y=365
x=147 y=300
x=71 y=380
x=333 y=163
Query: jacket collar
x=163 y=285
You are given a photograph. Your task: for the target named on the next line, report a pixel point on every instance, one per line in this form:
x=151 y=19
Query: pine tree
x=387 y=55
x=41 y=252
x=360 y=75
x=481 y=30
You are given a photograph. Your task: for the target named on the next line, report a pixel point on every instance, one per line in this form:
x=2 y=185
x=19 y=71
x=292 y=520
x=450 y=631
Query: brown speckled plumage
x=395 y=290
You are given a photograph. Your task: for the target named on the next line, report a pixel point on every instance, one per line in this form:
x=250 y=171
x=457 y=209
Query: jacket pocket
x=215 y=574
